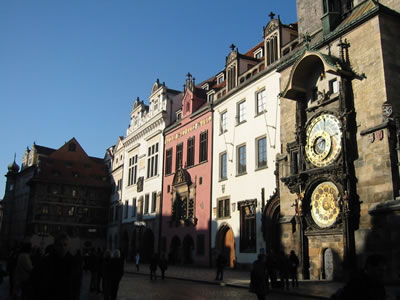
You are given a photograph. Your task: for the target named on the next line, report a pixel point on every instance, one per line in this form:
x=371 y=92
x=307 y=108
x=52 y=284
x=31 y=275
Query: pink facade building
x=186 y=208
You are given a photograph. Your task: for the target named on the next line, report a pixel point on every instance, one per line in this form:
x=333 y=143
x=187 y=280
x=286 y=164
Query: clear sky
x=73 y=68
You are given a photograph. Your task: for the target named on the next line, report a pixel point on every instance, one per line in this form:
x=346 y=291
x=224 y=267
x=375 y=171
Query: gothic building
x=339 y=174
x=56 y=190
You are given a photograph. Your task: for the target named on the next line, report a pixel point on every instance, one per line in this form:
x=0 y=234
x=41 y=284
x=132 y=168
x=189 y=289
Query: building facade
x=339 y=176
x=245 y=143
x=56 y=190
x=186 y=209
x=141 y=186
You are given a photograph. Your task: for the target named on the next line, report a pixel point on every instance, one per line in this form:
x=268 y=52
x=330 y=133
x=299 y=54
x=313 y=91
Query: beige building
x=339 y=174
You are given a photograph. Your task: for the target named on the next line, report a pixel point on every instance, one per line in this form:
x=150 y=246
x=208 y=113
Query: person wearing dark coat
x=116 y=273
x=368 y=284
x=59 y=273
x=106 y=270
x=258 y=278
x=153 y=266
x=221 y=262
x=293 y=265
x=163 y=264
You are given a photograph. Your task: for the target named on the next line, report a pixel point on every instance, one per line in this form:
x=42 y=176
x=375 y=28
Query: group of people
x=57 y=274
x=267 y=269
x=158 y=261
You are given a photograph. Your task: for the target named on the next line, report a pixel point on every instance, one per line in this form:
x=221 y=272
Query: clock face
x=325 y=204
x=323 y=140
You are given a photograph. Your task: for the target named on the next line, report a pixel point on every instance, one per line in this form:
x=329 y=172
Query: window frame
x=264 y=100
x=168 y=161
x=241 y=113
x=257 y=156
x=152 y=160
x=223 y=208
x=153 y=202
x=178 y=156
x=223 y=121
x=223 y=168
x=239 y=171
x=203 y=146
x=190 y=151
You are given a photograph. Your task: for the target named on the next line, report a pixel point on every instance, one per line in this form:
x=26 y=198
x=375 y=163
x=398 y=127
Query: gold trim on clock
x=323 y=140
x=324 y=204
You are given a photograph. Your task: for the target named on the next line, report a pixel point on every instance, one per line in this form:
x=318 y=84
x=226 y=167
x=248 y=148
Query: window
x=259 y=54
x=200 y=244
x=190 y=152
x=126 y=209
x=179 y=115
x=222 y=166
x=222 y=121
x=72 y=147
x=119 y=185
x=153 y=202
x=168 y=161
x=241 y=159
x=203 y=146
x=179 y=157
x=152 y=160
x=260 y=102
x=146 y=204
x=220 y=79
x=333 y=86
x=261 y=152
x=224 y=208
x=45 y=210
x=211 y=97
x=241 y=112
x=133 y=207
x=248 y=226
x=132 y=173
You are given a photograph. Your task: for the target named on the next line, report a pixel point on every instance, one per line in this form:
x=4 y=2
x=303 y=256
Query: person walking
x=106 y=270
x=153 y=266
x=258 y=278
x=163 y=264
x=293 y=265
x=116 y=273
x=221 y=262
x=137 y=260
x=23 y=270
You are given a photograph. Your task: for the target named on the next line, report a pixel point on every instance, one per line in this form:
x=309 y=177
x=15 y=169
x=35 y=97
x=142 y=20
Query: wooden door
x=229 y=248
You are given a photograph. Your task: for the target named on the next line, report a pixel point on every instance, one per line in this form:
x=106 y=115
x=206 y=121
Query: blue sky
x=73 y=68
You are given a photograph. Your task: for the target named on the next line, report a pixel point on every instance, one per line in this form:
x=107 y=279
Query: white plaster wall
x=247 y=186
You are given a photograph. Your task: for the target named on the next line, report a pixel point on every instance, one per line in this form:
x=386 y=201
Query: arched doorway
x=226 y=244
x=174 y=253
x=148 y=244
x=188 y=249
x=270 y=224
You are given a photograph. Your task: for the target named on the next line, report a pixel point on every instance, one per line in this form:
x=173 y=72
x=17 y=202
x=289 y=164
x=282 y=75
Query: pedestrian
x=221 y=262
x=368 y=284
x=137 y=260
x=2 y=274
x=60 y=273
x=258 y=278
x=153 y=266
x=116 y=273
x=106 y=270
x=283 y=270
x=293 y=265
x=163 y=264
x=23 y=270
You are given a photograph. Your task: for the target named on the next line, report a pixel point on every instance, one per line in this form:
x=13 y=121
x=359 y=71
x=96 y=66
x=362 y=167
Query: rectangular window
x=126 y=209
x=333 y=86
x=222 y=166
x=119 y=185
x=200 y=244
x=179 y=156
x=146 y=204
x=223 y=121
x=134 y=207
x=132 y=173
x=241 y=159
x=224 y=208
x=241 y=112
x=152 y=161
x=153 y=202
x=168 y=161
x=260 y=102
x=190 y=152
x=248 y=228
x=203 y=146
x=261 y=152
